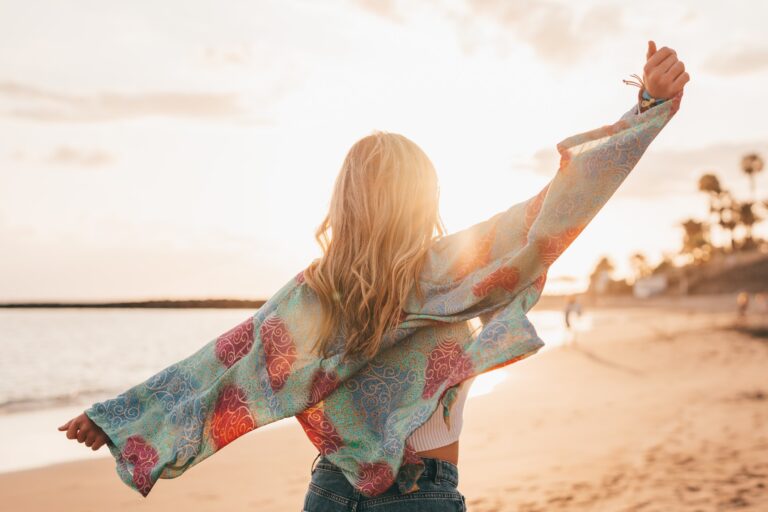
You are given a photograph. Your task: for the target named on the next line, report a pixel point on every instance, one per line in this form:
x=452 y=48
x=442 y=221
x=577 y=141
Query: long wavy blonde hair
x=382 y=219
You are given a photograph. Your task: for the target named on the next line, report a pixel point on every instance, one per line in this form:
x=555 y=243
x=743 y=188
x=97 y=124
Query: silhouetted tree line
x=734 y=217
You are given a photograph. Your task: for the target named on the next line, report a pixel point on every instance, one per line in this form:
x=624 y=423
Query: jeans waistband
x=436 y=470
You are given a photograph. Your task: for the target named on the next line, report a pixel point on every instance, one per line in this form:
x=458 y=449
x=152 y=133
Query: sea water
x=56 y=362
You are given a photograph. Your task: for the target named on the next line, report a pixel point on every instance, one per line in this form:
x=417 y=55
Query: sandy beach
x=657 y=408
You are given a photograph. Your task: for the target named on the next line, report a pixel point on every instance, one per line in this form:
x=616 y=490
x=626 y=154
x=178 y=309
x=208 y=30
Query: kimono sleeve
x=485 y=266
x=193 y=408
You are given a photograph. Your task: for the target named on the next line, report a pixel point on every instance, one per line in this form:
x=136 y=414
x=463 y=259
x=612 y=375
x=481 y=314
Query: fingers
x=91 y=438
x=680 y=81
x=676 y=69
x=100 y=440
x=72 y=429
x=651 y=50
x=78 y=429
x=657 y=58
x=82 y=433
x=665 y=65
x=85 y=431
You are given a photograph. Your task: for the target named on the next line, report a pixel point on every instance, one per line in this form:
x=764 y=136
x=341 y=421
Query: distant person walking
x=572 y=306
x=742 y=305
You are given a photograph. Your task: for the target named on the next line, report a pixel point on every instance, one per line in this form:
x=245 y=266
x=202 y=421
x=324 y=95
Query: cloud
x=234 y=54
x=239 y=54
x=68 y=156
x=551 y=28
x=738 y=62
x=18 y=155
x=64 y=155
x=47 y=105
x=384 y=8
x=671 y=171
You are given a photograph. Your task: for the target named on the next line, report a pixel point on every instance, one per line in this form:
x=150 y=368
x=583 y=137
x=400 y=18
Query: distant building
x=649 y=286
x=600 y=281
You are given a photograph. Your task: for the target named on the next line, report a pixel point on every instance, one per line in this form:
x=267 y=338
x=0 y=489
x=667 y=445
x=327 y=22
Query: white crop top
x=434 y=433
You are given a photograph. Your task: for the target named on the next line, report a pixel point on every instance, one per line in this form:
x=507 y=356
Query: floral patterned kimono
x=359 y=414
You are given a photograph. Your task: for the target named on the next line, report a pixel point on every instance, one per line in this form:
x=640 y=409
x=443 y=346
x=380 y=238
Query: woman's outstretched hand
x=85 y=431
x=664 y=75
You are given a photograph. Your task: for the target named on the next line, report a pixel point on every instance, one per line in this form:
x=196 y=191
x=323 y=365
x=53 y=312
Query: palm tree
x=640 y=266
x=728 y=216
x=664 y=266
x=721 y=204
x=748 y=218
x=752 y=164
x=710 y=183
x=695 y=241
x=604 y=265
x=598 y=280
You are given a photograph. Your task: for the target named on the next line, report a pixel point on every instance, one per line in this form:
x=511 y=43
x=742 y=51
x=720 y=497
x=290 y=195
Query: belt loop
x=438 y=472
x=312 y=469
x=355 y=503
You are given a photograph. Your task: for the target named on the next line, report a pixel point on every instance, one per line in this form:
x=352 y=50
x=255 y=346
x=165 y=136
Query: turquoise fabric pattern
x=360 y=413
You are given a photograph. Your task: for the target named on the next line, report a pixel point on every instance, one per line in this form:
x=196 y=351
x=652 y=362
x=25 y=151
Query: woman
x=368 y=401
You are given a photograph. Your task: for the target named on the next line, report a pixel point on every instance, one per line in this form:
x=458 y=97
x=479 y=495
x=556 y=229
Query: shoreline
x=149 y=304
x=722 y=300
x=24 y=415
x=643 y=408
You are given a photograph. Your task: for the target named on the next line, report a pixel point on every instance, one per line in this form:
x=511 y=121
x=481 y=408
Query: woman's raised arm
x=482 y=267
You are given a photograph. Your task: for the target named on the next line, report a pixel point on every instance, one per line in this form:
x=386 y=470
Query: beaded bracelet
x=644 y=99
x=647 y=101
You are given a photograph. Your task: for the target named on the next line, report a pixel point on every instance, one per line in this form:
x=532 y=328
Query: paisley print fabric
x=235 y=343
x=359 y=414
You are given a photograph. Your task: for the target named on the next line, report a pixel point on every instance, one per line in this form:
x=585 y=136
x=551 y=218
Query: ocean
x=56 y=362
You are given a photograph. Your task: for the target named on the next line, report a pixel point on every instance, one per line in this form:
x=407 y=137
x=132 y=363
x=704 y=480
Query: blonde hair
x=382 y=219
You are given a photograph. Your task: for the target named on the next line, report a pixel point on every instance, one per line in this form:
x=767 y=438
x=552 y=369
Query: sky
x=189 y=149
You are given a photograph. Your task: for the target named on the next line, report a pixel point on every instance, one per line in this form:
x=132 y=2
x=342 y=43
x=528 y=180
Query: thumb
x=65 y=426
x=651 y=49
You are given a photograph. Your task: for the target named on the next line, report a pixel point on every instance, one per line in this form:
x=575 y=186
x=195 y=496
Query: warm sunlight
x=599 y=303
x=199 y=149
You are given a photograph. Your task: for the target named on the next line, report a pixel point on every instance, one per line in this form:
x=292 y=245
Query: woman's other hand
x=85 y=431
x=664 y=75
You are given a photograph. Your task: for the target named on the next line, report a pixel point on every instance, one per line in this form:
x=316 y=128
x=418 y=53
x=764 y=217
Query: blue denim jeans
x=329 y=491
